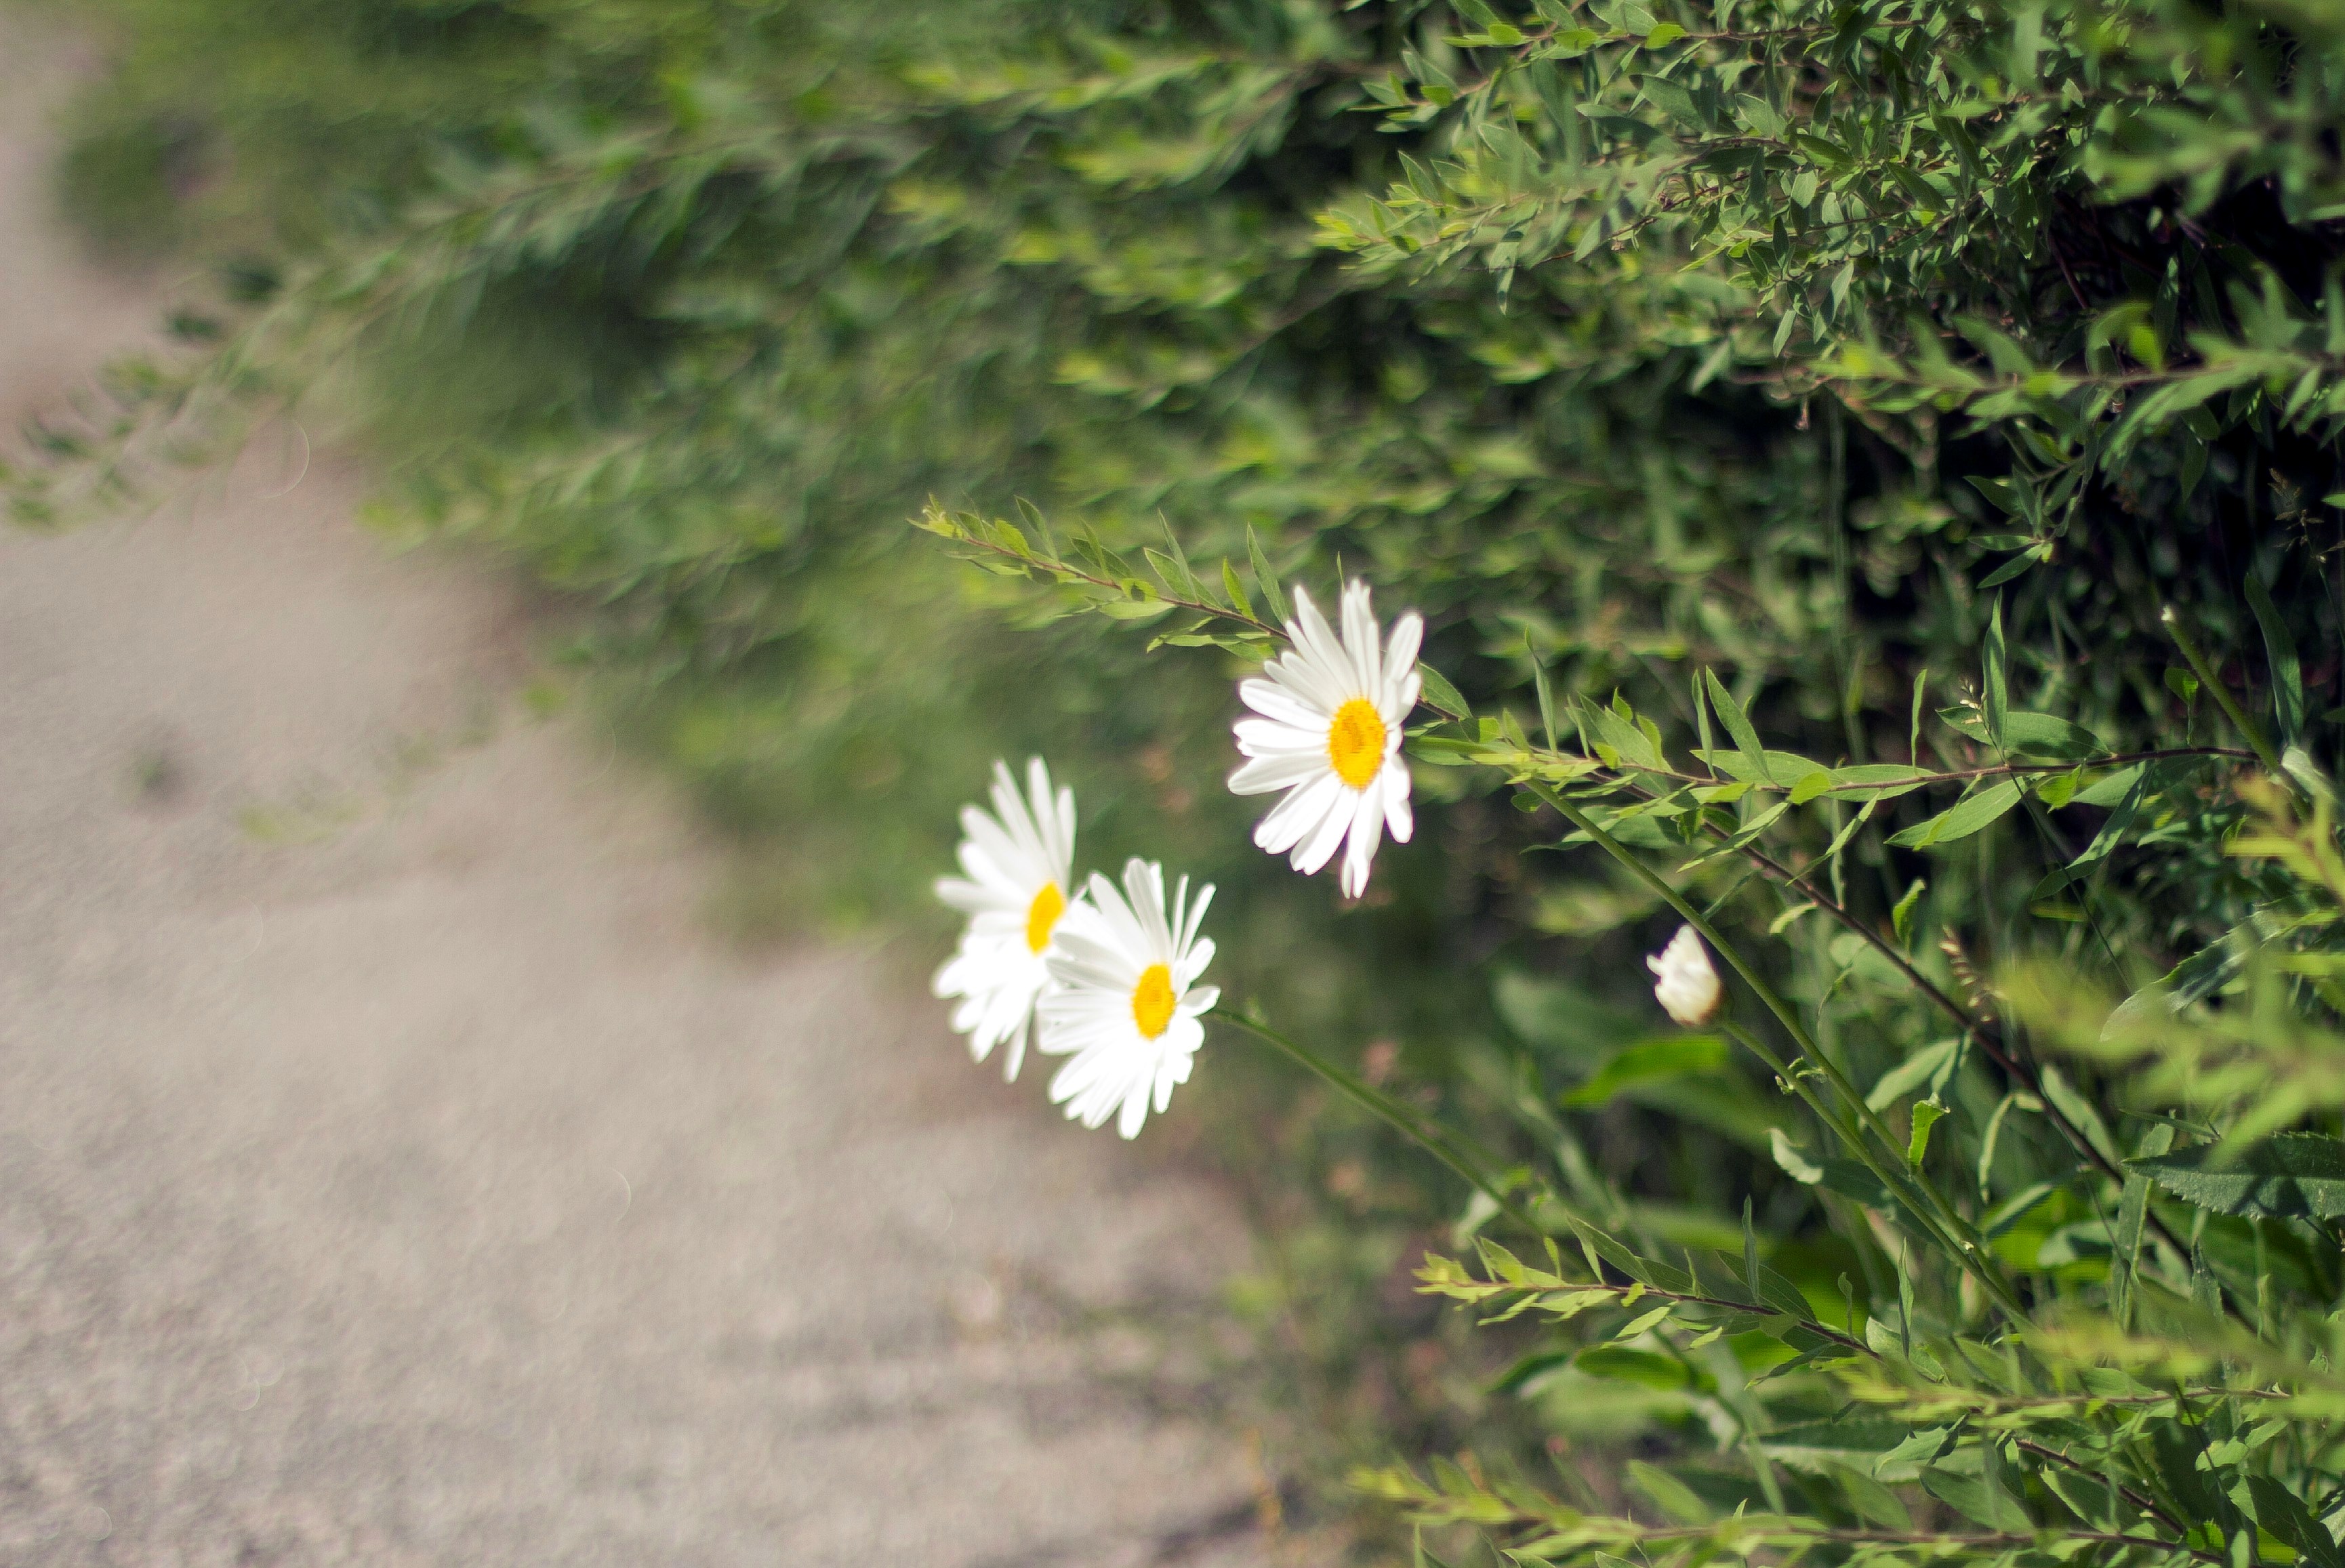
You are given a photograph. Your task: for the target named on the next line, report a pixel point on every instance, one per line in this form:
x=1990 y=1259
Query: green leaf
x=1545 y=692
x=2294 y=1175
x=1784 y=769
x=2281 y=1511
x=2120 y=820
x=2016 y=567
x=1910 y=1074
x=2280 y=651
x=1875 y=1503
x=1437 y=692
x=1235 y=589
x=1927 y=1115
x=1794 y=1162
x=1527 y=1367
x=1672 y=99
x=1995 y=690
x=2081 y=1112
x=1663 y=37
x=1134 y=609
x=1624 y=1364
x=1669 y=1057
x=1668 y=1494
x=2037 y=735
x=1848 y=1178
x=1978 y=1500
x=1901 y=919
x=1738 y=724
x=1965 y=819
x=2133 y=1212
x=1266 y=579
x=1913 y=733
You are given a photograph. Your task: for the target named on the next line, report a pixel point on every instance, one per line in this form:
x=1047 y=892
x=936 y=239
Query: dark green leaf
x=2279 y=652
x=2293 y=1175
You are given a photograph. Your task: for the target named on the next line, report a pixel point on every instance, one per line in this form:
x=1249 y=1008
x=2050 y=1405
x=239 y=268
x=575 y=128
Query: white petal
x=1400 y=654
x=1197 y=918
x=1318 y=666
x=1282 y=705
x=1315 y=851
x=1360 y=637
x=1399 y=820
x=1360 y=852
x=1275 y=737
x=1291 y=818
x=1264 y=776
x=1143 y=880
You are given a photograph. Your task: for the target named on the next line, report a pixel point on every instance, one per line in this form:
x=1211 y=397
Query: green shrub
x=1863 y=467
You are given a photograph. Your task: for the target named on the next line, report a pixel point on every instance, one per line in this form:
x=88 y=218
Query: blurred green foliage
x=1894 y=365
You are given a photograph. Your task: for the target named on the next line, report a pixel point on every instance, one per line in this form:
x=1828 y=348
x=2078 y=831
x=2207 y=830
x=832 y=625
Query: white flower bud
x=1683 y=982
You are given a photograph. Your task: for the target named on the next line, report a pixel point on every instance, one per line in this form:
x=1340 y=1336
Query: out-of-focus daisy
x=1019 y=861
x=1684 y=984
x=1126 y=1003
x=1329 y=735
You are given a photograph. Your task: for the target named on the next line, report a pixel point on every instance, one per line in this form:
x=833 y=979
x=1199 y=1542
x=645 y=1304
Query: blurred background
x=471 y=1093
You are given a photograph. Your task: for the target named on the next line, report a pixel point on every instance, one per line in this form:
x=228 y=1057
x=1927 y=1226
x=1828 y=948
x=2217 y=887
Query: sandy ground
x=394 y=1170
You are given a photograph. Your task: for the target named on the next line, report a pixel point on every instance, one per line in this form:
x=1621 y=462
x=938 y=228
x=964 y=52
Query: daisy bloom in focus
x=1329 y=735
x=1683 y=982
x=1017 y=862
x=1127 y=1002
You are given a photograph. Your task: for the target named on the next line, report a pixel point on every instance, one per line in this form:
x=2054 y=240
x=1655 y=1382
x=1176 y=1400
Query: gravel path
x=393 y=1168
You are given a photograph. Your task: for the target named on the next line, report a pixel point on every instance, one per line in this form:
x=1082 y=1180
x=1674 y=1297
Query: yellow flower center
x=1152 y=1000
x=1042 y=915
x=1356 y=742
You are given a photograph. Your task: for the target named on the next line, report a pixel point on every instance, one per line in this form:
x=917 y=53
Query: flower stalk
x=1399 y=1117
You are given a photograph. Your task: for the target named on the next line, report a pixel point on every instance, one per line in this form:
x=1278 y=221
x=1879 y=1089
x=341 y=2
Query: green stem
x=2247 y=726
x=1426 y=1136
x=1930 y=1211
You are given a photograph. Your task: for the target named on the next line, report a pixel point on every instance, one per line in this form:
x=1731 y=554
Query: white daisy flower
x=1127 y=1002
x=1329 y=735
x=1018 y=861
x=1684 y=984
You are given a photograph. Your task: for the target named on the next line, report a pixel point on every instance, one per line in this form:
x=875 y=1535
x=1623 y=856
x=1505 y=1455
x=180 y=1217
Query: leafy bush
x=1863 y=466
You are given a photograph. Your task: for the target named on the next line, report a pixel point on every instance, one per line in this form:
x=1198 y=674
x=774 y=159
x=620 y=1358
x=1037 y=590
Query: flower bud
x=1683 y=982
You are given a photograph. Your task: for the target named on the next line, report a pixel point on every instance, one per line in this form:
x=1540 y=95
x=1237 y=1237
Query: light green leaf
x=1623 y=1364
x=1911 y=1073
x=1901 y=919
x=1437 y=692
x=1669 y=1057
x=1997 y=681
x=1266 y=579
x=1236 y=590
x=1668 y=1494
x=1927 y=1115
x=1977 y=811
x=1792 y=1162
